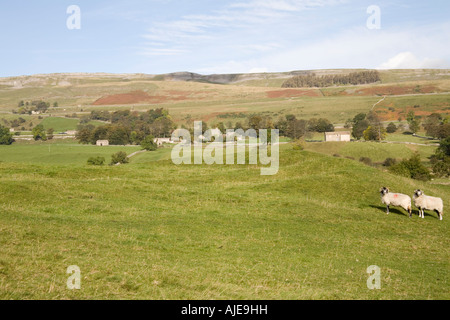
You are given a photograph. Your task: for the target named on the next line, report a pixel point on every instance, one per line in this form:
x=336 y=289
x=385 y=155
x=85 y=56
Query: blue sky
x=218 y=36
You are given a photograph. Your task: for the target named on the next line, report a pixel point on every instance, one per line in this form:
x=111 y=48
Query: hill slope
x=155 y=230
x=191 y=96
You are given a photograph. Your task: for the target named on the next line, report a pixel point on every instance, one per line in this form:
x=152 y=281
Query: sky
x=219 y=36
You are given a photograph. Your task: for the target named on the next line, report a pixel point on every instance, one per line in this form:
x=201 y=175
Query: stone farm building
x=337 y=136
x=160 y=141
x=102 y=143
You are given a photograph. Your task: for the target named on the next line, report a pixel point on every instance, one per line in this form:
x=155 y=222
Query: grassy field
x=154 y=230
x=378 y=152
x=58 y=152
x=63 y=124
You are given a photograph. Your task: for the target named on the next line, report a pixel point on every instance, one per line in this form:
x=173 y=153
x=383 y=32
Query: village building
x=160 y=141
x=337 y=136
x=102 y=143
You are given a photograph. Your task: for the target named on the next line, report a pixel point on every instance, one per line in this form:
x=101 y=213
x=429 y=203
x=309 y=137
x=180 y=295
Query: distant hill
x=257 y=79
x=228 y=97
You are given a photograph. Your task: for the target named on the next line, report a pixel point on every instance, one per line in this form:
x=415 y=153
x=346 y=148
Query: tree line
x=288 y=125
x=127 y=127
x=27 y=107
x=312 y=80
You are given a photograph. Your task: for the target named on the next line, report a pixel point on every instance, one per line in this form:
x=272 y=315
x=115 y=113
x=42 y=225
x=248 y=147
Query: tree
x=358 y=128
x=412 y=168
x=50 y=132
x=149 y=143
x=444 y=146
x=221 y=127
x=297 y=128
x=84 y=134
x=41 y=106
x=99 y=133
x=444 y=131
x=442 y=168
x=118 y=135
x=391 y=128
x=320 y=125
x=119 y=158
x=163 y=127
x=281 y=125
x=100 y=115
x=441 y=159
x=238 y=125
x=360 y=123
x=359 y=117
x=6 y=137
x=374 y=133
x=254 y=122
x=432 y=125
x=413 y=122
x=38 y=133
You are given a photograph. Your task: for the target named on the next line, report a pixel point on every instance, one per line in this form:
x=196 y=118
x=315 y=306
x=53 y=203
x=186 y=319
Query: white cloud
x=407 y=60
x=355 y=48
x=271 y=36
x=162 y=52
x=232 y=22
x=283 y=5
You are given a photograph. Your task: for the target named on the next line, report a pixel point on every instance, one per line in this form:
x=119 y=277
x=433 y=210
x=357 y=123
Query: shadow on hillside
x=402 y=212
x=391 y=210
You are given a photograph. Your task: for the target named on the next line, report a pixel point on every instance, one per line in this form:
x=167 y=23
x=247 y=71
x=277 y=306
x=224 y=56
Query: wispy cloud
x=162 y=52
x=421 y=47
x=284 y=5
x=247 y=26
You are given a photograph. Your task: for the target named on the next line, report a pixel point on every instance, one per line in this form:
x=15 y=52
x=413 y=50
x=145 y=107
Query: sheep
x=424 y=202
x=396 y=200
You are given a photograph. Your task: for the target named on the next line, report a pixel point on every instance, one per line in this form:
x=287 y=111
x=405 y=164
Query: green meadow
x=376 y=151
x=151 y=229
x=58 y=152
x=154 y=230
x=60 y=124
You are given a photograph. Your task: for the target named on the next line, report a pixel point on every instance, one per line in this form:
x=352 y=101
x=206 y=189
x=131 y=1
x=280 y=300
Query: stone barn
x=337 y=136
x=160 y=141
x=102 y=143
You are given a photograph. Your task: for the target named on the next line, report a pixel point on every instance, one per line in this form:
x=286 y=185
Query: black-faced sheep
x=424 y=202
x=396 y=200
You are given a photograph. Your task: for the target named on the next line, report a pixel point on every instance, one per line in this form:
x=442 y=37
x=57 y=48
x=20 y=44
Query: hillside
x=213 y=98
x=154 y=230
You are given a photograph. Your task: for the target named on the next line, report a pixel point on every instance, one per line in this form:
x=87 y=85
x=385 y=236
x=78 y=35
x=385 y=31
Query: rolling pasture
x=424 y=91
x=155 y=230
x=151 y=229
